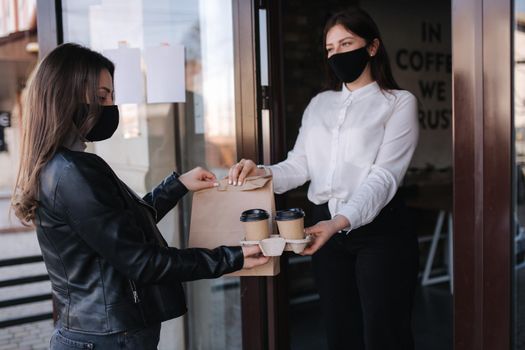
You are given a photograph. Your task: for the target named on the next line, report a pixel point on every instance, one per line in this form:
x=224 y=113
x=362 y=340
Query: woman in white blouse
x=354 y=146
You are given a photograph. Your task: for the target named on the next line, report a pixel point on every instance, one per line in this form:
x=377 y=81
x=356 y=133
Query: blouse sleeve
x=394 y=155
x=293 y=171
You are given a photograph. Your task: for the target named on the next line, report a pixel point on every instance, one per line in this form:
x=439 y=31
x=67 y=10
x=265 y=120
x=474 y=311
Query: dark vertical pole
x=245 y=79
x=278 y=303
x=49 y=31
x=253 y=289
x=482 y=177
x=276 y=66
x=497 y=181
x=468 y=172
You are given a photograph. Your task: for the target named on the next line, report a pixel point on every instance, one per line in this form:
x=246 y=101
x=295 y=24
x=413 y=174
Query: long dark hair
x=68 y=76
x=360 y=23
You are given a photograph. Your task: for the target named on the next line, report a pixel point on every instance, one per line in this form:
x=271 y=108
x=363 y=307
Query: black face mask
x=106 y=125
x=348 y=66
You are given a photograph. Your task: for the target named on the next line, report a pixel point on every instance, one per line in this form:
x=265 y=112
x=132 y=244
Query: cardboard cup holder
x=276 y=245
x=297 y=245
x=273 y=246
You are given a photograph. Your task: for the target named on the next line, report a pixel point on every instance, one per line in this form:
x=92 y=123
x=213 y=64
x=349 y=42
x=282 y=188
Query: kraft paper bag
x=216 y=212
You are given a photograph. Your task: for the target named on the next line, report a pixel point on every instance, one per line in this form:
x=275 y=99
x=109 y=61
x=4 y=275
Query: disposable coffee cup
x=290 y=223
x=255 y=222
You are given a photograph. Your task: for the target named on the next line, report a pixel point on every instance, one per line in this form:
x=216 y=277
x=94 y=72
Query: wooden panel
x=254 y=306
x=253 y=303
x=468 y=172
x=497 y=184
x=482 y=173
x=245 y=79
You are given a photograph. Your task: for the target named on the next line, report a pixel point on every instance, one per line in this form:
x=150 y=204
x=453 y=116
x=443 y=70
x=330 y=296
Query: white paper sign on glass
x=165 y=81
x=128 y=80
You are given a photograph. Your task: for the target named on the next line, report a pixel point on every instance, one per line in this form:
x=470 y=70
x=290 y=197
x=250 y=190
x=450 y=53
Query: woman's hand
x=253 y=257
x=323 y=231
x=198 y=179
x=241 y=170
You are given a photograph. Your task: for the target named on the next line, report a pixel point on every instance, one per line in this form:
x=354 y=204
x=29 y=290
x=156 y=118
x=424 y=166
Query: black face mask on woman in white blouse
x=348 y=66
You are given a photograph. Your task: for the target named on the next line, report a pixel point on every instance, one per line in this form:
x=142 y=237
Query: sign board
x=418 y=41
x=3 y=145
x=5 y=119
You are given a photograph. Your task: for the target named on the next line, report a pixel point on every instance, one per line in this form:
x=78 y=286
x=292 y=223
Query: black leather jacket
x=109 y=266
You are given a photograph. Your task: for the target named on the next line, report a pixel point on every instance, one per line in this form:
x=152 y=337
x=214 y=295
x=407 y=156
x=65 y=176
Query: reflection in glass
x=152 y=138
x=519 y=131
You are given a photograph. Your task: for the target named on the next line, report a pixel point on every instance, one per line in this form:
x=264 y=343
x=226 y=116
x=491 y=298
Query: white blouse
x=354 y=147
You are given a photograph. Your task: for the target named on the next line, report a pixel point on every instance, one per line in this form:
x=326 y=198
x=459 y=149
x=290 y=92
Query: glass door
x=519 y=175
x=156 y=138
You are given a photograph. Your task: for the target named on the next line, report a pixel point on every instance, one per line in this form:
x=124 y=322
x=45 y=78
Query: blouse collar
x=347 y=95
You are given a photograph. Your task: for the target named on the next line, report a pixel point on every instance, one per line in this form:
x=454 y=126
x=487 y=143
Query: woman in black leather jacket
x=114 y=277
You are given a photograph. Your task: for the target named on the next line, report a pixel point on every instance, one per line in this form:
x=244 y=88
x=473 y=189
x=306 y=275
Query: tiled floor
x=30 y=336
x=520 y=308
x=433 y=318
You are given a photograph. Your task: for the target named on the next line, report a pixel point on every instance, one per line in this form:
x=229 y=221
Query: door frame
x=262 y=296
x=482 y=119
x=482 y=134
x=49 y=25
x=482 y=152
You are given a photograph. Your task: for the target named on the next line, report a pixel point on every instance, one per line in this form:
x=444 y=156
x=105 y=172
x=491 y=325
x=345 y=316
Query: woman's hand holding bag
x=198 y=179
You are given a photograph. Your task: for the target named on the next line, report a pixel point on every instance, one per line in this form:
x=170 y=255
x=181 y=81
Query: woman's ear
x=373 y=47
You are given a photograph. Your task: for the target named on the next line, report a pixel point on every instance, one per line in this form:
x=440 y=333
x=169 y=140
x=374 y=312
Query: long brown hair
x=360 y=23
x=67 y=77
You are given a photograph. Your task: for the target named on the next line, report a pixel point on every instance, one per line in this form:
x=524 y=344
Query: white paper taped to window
x=165 y=80
x=128 y=80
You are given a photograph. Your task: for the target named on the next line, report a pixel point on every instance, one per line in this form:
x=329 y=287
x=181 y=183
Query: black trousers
x=366 y=282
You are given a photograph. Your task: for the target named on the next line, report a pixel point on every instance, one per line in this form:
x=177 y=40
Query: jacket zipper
x=136 y=298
